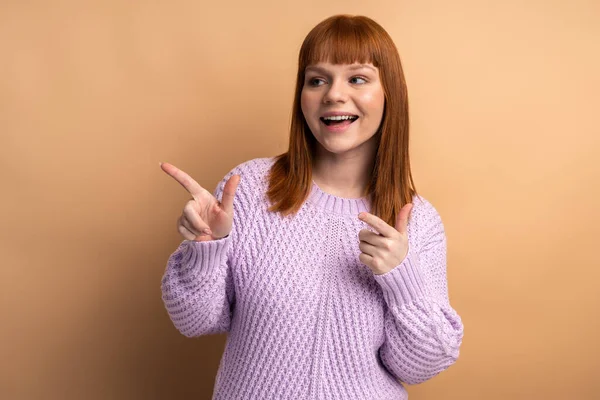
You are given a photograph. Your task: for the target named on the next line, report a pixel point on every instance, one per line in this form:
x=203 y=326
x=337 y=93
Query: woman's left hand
x=384 y=251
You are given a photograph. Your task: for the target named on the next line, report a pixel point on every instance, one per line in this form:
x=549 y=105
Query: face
x=343 y=106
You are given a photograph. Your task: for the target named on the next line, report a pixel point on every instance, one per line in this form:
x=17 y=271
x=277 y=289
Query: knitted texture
x=306 y=319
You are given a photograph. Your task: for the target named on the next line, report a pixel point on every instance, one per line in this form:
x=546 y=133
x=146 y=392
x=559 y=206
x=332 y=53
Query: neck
x=343 y=175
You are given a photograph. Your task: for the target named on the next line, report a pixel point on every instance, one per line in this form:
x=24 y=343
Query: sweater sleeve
x=422 y=331
x=197 y=285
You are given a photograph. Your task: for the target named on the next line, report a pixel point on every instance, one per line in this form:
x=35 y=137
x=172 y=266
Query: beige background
x=505 y=142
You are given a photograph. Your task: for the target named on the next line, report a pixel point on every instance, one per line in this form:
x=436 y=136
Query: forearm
x=423 y=333
x=196 y=286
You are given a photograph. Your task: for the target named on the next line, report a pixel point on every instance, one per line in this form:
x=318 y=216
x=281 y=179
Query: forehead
x=330 y=67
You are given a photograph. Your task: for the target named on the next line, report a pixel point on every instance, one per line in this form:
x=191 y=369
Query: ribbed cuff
x=404 y=283
x=207 y=255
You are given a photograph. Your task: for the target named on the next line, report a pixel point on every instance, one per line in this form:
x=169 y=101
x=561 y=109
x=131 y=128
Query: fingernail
x=207 y=231
x=160 y=164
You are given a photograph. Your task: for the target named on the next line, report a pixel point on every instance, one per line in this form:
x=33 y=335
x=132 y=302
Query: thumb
x=229 y=193
x=402 y=218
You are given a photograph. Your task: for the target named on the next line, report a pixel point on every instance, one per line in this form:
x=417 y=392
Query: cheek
x=309 y=104
x=305 y=103
x=373 y=103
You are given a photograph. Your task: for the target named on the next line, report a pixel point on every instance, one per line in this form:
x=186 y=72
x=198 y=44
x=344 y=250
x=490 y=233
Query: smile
x=339 y=120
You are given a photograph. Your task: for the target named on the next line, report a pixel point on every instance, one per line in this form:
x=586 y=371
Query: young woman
x=323 y=264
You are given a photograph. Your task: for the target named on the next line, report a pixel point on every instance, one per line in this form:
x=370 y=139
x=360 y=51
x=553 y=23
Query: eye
x=360 y=78
x=314 y=81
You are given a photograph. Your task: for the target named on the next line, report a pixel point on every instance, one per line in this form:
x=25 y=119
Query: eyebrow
x=352 y=67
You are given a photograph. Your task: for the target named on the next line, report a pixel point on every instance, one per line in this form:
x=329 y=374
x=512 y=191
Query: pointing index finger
x=184 y=179
x=380 y=225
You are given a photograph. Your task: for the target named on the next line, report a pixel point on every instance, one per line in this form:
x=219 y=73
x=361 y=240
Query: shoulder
x=253 y=178
x=423 y=209
x=425 y=221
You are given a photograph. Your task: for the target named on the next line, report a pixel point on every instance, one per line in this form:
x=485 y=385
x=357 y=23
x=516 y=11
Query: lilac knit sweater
x=305 y=318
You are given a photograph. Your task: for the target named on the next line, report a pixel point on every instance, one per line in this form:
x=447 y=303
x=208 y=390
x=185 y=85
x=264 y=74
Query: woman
x=325 y=289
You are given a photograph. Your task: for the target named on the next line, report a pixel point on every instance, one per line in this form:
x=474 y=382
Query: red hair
x=345 y=39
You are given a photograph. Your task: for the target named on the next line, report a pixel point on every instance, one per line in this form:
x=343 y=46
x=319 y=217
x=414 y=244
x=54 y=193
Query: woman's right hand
x=204 y=217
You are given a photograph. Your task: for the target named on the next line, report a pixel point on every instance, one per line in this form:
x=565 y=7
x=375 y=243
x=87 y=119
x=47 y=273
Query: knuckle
x=189 y=207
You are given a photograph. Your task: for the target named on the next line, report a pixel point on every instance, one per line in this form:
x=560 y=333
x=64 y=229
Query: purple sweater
x=305 y=318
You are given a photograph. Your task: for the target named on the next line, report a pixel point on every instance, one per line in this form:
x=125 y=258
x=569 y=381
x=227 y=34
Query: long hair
x=345 y=39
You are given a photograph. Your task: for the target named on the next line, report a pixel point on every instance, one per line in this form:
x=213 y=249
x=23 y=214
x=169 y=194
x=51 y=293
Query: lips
x=338 y=119
x=341 y=122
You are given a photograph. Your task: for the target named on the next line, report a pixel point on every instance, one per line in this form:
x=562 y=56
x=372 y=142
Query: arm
x=197 y=286
x=422 y=331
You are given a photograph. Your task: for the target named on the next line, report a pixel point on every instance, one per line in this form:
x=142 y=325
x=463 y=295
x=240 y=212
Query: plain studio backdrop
x=505 y=141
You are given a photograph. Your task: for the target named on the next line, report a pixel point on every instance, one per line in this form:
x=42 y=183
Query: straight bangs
x=343 y=41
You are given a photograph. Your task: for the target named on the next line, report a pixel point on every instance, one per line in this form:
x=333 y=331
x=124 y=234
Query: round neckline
x=337 y=204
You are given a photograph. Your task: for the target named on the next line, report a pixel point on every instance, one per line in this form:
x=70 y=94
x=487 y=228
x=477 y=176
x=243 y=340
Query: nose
x=336 y=93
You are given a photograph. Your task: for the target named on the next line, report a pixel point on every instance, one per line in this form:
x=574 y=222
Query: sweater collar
x=336 y=204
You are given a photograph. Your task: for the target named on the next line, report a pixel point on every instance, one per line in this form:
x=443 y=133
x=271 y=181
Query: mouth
x=339 y=120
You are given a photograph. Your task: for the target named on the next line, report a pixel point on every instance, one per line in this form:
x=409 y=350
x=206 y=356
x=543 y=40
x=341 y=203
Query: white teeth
x=338 y=117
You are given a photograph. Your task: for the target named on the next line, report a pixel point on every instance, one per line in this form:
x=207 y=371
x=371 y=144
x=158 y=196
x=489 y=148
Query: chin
x=340 y=148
